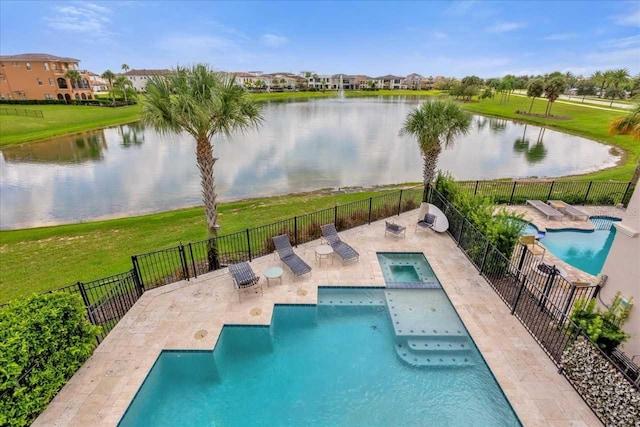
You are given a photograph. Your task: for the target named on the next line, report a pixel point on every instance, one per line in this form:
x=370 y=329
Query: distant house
x=416 y=81
x=139 y=78
x=41 y=76
x=391 y=82
x=98 y=84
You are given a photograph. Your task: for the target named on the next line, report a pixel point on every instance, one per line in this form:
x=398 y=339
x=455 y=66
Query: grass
x=40 y=259
x=60 y=120
x=587 y=122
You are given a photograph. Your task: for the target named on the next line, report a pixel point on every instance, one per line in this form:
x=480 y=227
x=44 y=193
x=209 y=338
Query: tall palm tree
x=619 y=76
x=535 y=89
x=109 y=76
x=202 y=103
x=74 y=77
x=628 y=125
x=122 y=83
x=125 y=67
x=553 y=88
x=600 y=80
x=435 y=124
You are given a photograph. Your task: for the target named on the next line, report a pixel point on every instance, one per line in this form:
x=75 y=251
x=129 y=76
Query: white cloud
x=88 y=18
x=560 y=36
x=439 y=35
x=632 y=19
x=504 y=27
x=622 y=43
x=273 y=40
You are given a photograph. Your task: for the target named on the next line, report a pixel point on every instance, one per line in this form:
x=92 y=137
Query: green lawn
x=587 y=122
x=39 y=259
x=60 y=120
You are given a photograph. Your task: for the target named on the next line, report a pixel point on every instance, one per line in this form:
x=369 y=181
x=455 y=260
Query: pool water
x=334 y=364
x=399 y=268
x=586 y=250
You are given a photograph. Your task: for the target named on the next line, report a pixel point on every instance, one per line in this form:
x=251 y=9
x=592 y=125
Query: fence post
x=193 y=262
x=136 y=282
x=400 y=203
x=249 y=244
x=183 y=259
x=522 y=257
x=295 y=231
x=335 y=215
x=513 y=190
x=550 y=190
x=587 y=193
x=85 y=299
x=547 y=286
x=460 y=232
x=568 y=303
x=136 y=267
x=370 y=206
x=475 y=190
x=484 y=257
x=626 y=190
x=515 y=303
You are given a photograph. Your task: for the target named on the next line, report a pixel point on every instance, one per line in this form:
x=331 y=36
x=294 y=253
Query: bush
x=43 y=341
x=602 y=327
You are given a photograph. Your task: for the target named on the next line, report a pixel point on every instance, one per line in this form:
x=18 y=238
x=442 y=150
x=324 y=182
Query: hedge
x=44 y=339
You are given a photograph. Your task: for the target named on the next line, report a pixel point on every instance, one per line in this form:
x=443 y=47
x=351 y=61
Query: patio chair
x=427 y=222
x=344 y=251
x=394 y=229
x=285 y=252
x=531 y=243
x=244 y=278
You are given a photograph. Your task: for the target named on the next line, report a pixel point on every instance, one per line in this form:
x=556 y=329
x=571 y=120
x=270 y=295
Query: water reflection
x=80 y=148
x=533 y=154
x=301 y=146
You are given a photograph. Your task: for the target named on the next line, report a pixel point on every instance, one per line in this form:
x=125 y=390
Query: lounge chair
x=344 y=251
x=427 y=222
x=244 y=278
x=533 y=246
x=568 y=209
x=545 y=209
x=288 y=257
x=394 y=229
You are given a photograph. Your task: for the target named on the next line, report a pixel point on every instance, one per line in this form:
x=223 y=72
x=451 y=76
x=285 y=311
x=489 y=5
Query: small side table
x=323 y=252
x=556 y=205
x=273 y=273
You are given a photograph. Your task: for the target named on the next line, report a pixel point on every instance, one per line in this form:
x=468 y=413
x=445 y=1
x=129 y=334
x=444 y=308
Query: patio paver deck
x=174 y=316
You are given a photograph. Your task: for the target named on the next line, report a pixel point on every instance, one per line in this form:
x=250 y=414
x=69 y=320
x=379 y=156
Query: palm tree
x=435 y=124
x=619 y=76
x=628 y=125
x=535 y=89
x=122 y=84
x=553 y=88
x=613 y=93
x=125 y=67
x=74 y=77
x=203 y=103
x=599 y=79
x=109 y=76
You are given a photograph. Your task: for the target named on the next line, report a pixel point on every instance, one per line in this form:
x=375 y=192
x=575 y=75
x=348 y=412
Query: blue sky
x=432 y=38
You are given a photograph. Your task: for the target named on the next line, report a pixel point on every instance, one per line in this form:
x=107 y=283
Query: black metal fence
x=541 y=299
x=21 y=112
x=572 y=192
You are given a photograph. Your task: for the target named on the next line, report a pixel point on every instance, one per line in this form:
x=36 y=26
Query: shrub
x=602 y=327
x=44 y=339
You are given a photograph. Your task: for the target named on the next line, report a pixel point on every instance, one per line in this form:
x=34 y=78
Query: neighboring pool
x=342 y=362
x=586 y=250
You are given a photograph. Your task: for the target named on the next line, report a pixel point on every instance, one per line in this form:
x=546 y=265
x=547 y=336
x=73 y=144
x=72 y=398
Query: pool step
x=431 y=358
x=414 y=285
x=439 y=344
x=351 y=297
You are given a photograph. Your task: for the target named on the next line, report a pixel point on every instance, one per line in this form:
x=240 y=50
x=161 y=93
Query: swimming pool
x=337 y=363
x=586 y=250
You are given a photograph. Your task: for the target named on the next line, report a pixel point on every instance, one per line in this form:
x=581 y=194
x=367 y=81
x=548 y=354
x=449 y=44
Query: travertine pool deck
x=174 y=316
x=543 y=224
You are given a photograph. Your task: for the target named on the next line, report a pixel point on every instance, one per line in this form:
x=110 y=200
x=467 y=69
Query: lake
x=301 y=146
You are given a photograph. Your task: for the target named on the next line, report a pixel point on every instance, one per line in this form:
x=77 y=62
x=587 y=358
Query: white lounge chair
x=545 y=209
x=570 y=210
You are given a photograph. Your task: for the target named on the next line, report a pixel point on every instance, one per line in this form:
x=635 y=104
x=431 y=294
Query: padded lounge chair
x=285 y=252
x=545 y=209
x=244 y=278
x=395 y=229
x=427 y=222
x=570 y=210
x=344 y=251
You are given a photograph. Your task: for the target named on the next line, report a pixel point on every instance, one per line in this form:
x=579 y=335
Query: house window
x=28 y=65
x=55 y=66
x=1 y=95
x=50 y=81
x=47 y=96
x=46 y=66
x=39 y=81
x=77 y=96
x=62 y=83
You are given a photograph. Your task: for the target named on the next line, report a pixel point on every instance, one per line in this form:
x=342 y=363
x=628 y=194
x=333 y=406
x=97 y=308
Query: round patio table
x=273 y=273
x=323 y=252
